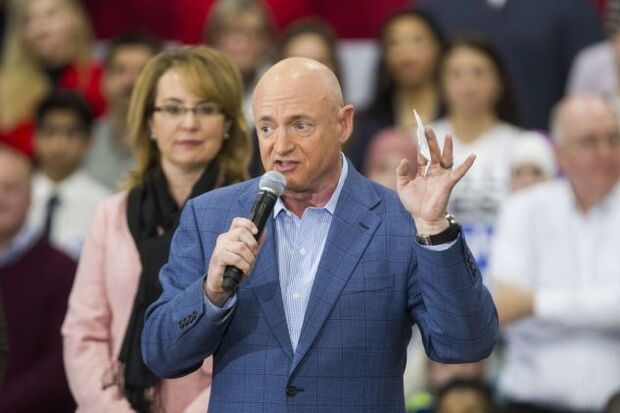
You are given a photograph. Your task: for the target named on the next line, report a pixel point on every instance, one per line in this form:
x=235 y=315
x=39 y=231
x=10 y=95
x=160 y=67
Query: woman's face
x=189 y=140
x=245 y=41
x=49 y=28
x=470 y=82
x=411 y=51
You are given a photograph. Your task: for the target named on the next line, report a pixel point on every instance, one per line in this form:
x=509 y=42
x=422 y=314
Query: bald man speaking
x=323 y=316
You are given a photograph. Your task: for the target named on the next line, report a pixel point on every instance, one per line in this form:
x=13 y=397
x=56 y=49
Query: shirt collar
x=59 y=187
x=331 y=204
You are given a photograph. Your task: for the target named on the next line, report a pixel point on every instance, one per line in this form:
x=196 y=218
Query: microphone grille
x=273 y=182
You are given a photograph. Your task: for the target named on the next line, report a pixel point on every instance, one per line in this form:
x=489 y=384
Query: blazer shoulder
x=375 y=196
x=225 y=195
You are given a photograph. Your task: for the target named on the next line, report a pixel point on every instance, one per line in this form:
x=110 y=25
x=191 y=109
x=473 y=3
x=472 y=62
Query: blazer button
x=291 y=391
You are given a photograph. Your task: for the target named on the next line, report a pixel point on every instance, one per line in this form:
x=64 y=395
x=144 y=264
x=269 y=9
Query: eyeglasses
x=590 y=142
x=204 y=110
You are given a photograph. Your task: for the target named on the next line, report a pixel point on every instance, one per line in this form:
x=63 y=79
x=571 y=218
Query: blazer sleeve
x=86 y=330
x=177 y=334
x=453 y=309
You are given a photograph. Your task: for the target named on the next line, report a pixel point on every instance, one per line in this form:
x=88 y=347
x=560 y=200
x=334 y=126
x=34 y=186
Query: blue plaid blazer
x=372 y=284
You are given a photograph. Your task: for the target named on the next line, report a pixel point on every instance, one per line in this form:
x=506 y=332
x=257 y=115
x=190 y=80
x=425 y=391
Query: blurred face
x=312 y=46
x=384 y=170
x=49 y=28
x=470 y=82
x=14 y=194
x=462 y=401
x=300 y=132
x=61 y=143
x=411 y=51
x=589 y=153
x=245 y=41
x=122 y=73
x=526 y=175
x=189 y=140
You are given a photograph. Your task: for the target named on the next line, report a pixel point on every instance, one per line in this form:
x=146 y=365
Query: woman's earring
x=226 y=135
x=153 y=137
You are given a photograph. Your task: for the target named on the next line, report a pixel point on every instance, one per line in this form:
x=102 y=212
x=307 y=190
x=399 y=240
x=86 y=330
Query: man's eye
x=301 y=126
x=265 y=130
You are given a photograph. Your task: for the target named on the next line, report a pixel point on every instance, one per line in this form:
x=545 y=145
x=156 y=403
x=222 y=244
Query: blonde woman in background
x=47 y=45
x=190 y=136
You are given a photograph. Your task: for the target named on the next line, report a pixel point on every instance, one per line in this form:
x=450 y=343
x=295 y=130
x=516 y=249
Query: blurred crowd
x=109 y=125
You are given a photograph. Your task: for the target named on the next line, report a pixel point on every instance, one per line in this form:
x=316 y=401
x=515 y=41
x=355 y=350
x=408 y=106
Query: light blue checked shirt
x=300 y=244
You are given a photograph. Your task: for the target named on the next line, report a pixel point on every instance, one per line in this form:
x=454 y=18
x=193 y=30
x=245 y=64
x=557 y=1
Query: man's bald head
x=585 y=130
x=579 y=111
x=304 y=73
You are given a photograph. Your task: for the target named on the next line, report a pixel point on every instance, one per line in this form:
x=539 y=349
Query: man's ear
x=345 y=121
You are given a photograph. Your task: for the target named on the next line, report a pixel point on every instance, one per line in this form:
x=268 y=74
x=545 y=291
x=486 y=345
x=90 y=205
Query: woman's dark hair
x=66 y=100
x=506 y=105
x=385 y=87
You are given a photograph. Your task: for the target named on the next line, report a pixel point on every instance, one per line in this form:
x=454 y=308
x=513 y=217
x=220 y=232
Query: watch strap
x=446 y=236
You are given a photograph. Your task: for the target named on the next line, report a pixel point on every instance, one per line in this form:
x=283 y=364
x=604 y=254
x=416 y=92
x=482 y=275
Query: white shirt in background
x=568 y=353
x=476 y=199
x=78 y=195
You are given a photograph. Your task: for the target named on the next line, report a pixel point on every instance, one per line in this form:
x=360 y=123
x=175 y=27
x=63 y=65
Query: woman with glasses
x=190 y=136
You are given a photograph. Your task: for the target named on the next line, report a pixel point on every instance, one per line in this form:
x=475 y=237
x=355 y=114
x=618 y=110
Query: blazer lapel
x=351 y=230
x=265 y=282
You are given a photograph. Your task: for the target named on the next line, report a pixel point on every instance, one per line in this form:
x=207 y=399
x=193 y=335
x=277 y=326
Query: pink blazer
x=99 y=307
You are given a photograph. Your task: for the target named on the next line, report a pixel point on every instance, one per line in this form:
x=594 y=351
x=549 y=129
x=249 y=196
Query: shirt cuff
x=219 y=315
x=440 y=247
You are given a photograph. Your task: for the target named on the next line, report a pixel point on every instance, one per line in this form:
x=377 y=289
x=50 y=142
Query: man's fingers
x=447 y=157
x=433 y=145
x=243 y=223
x=403 y=168
x=239 y=260
x=404 y=173
x=462 y=169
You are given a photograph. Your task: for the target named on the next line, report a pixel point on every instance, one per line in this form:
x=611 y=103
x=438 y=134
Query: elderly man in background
x=35 y=280
x=557 y=271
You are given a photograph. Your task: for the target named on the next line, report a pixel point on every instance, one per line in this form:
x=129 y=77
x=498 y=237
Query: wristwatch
x=447 y=235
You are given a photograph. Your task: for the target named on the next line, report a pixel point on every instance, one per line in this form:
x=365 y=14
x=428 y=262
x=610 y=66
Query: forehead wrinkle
x=290 y=106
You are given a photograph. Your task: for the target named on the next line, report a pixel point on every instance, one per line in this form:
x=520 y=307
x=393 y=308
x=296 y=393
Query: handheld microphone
x=272 y=185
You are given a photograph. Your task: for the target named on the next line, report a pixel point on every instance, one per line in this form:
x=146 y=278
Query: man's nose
x=283 y=141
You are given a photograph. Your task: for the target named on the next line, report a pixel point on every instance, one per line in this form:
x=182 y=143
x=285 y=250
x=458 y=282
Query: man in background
x=35 y=281
x=556 y=271
x=64 y=197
